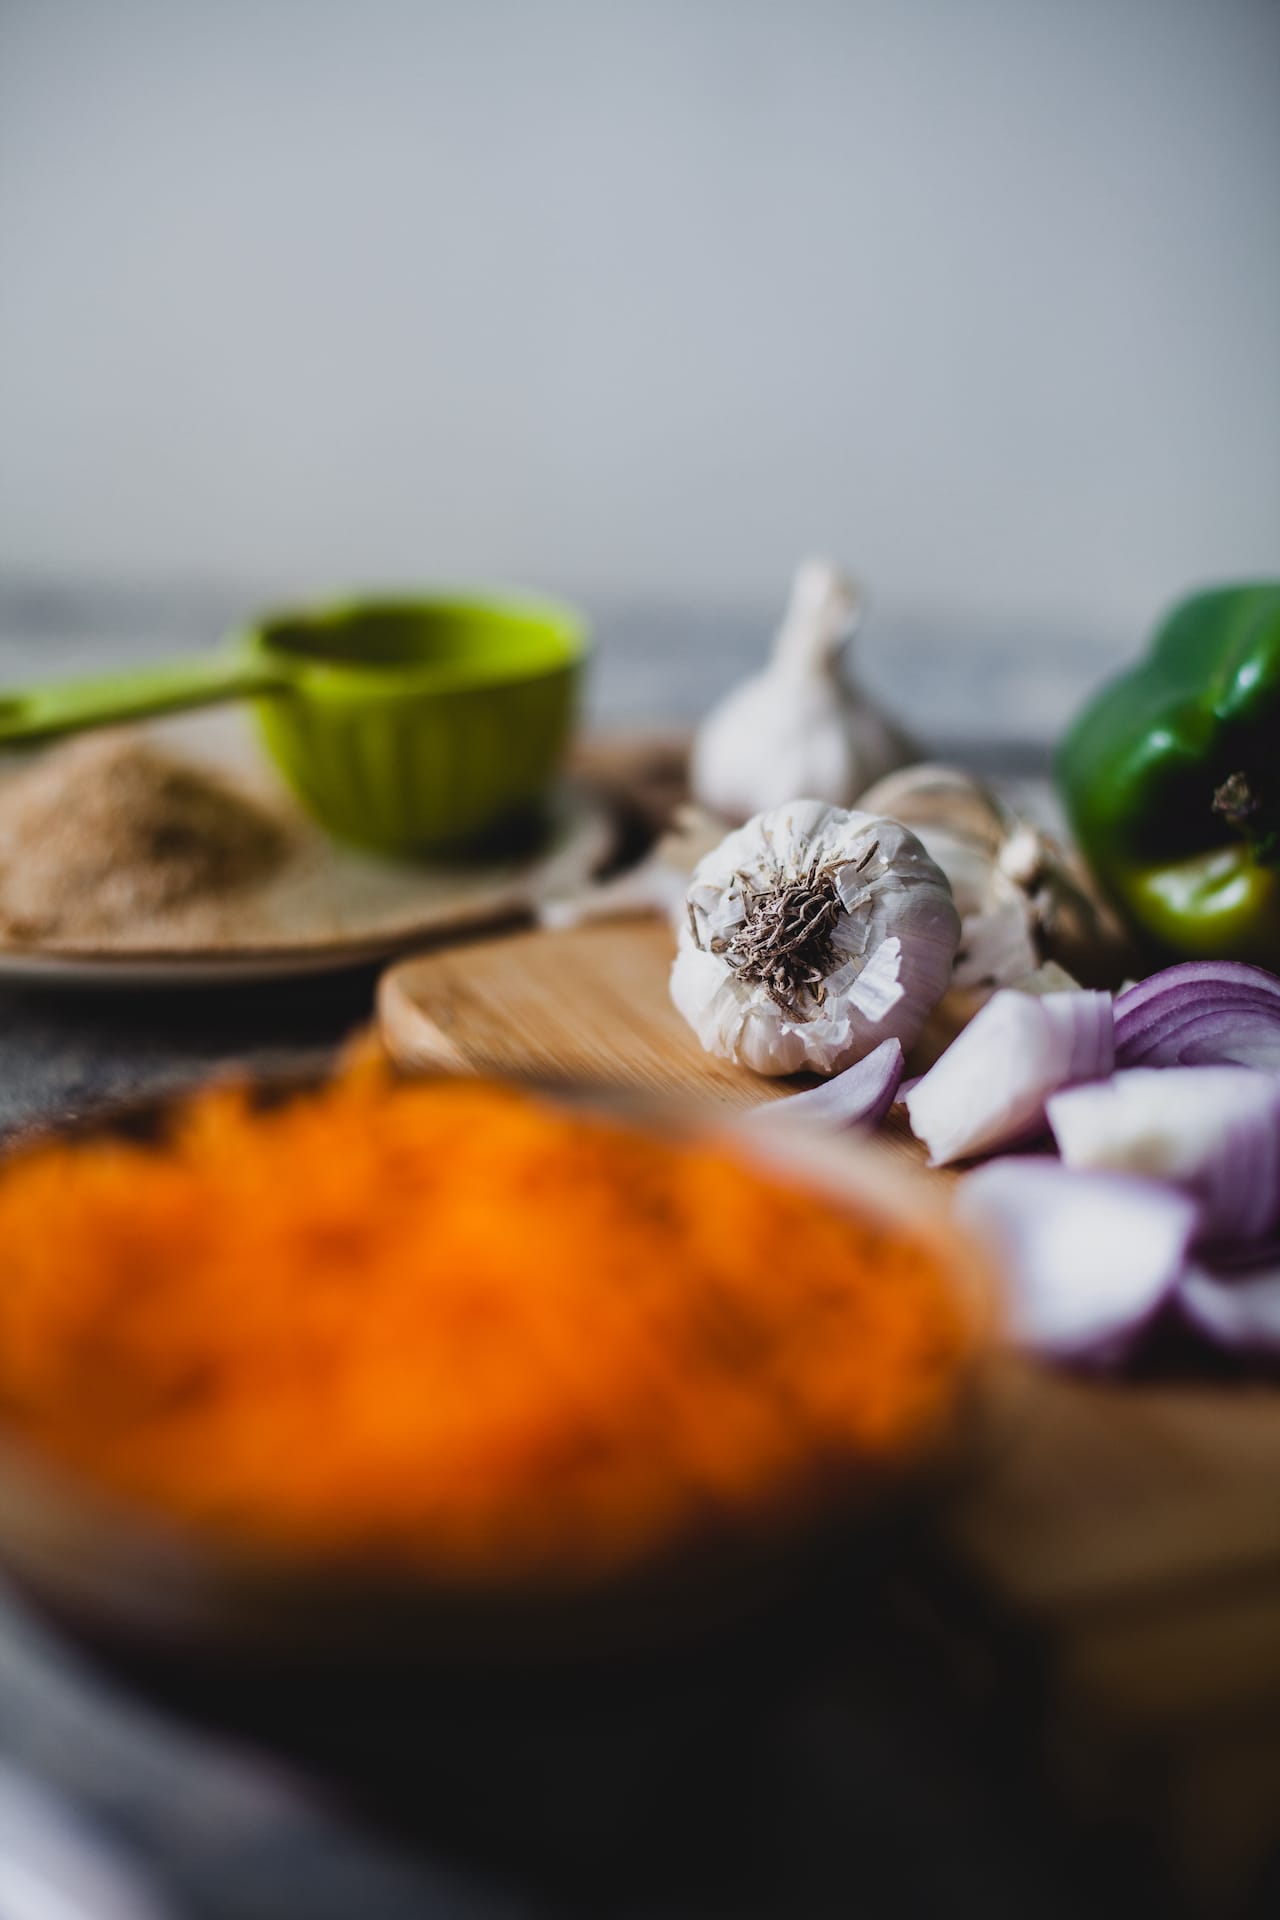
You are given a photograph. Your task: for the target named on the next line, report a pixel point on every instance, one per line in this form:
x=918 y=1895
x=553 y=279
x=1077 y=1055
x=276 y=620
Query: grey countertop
x=957 y=683
x=234 y=1836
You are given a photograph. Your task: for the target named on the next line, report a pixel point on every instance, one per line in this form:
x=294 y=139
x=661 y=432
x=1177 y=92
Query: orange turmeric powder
x=457 y=1327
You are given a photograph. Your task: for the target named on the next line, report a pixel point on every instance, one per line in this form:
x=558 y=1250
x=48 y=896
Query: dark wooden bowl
x=417 y=1692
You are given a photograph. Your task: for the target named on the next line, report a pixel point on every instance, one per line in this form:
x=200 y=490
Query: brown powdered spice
x=108 y=831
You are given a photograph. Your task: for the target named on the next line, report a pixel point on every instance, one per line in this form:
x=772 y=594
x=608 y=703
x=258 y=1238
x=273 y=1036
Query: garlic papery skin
x=809 y=936
x=656 y=884
x=799 y=726
x=999 y=927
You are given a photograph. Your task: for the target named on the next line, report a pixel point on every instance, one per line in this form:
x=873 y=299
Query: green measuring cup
x=417 y=725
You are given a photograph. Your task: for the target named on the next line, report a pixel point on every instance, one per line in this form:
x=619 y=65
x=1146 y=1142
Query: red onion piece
x=1201 y=1013
x=989 y=1088
x=860 y=1096
x=1239 y=1311
x=1089 y=1258
x=1213 y=1131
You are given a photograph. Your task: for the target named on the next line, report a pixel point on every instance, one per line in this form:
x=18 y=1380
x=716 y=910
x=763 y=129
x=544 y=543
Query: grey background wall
x=646 y=299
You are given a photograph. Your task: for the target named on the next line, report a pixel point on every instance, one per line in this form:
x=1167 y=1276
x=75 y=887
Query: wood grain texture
x=587 y=1006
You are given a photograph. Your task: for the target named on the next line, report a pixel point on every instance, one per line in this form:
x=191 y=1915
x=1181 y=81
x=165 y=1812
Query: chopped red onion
x=1089 y=1258
x=1201 y=1013
x=1239 y=1311
x=989 y=1088
x=860 y=1096
x=1213 y=1131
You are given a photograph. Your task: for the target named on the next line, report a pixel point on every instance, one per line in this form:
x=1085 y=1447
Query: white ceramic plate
x=328 y=907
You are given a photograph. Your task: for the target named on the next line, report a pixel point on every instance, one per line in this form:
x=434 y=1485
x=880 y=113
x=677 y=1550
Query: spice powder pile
x=455 y=1327
x=110 y=832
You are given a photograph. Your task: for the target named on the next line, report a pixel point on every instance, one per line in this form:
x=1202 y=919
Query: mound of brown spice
x=108 y=831
x=454 y=1326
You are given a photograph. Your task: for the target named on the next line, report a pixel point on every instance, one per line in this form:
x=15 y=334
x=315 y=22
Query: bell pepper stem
x=1240 y=805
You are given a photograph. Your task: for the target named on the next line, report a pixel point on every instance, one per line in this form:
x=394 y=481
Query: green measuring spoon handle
x=31 y=714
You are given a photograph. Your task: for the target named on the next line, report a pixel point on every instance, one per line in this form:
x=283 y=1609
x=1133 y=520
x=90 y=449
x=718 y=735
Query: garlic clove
x=798 y=726
x=945 y=799
x=1021 y=897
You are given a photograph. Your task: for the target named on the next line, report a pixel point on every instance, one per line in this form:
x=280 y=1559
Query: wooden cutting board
x=1117 y=1555
x=588 y=1006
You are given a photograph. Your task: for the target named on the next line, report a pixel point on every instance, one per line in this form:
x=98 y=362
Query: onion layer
x=1089 y=1258
x=989 y=1088
x=1237 y=1310
x=1201 y=1013
x=1213 y=1131
x=860 y=1096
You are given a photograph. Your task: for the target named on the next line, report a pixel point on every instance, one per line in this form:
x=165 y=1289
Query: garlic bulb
x=810 y=936
x=1020 y=898
x=798 y=727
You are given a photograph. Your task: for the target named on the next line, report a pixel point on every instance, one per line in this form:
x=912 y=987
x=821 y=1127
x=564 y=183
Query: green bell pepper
x=1171 y=781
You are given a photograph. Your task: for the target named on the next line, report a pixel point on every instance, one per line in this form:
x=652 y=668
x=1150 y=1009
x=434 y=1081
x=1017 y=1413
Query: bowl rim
x=513 y=609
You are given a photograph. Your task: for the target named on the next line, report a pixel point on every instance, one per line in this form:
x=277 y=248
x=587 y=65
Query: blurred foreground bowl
x=527 y=1718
